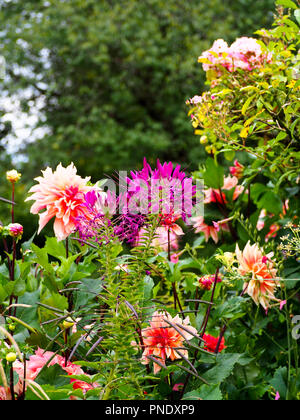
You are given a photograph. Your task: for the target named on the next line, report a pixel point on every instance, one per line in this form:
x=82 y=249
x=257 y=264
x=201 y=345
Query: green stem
x=289 y=348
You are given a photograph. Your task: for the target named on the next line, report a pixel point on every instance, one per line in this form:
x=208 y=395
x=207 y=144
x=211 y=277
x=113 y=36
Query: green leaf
x=287 y=3
x=297 y=15
x=53 y=375
x=271 y=202
x=206 y=393
x=55 y=248
x=247 y=104
x=224 y=367
x=279 y=381
x=214 y=174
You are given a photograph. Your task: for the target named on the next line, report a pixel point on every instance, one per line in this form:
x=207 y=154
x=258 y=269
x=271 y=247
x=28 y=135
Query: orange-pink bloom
x=218 y=196
x=210 y=231
x=161 y=340
x=237 y=170
x=61 y=195
x=262 y=285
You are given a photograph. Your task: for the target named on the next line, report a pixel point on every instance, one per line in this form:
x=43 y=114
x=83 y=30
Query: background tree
x=110 y=78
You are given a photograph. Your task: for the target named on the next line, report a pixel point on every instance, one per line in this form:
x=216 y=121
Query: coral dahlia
x=161 y=340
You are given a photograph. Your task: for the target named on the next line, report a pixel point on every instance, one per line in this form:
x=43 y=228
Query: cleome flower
x=165 y=190
x=262 y=285
x=61 y=195
x=161 y=340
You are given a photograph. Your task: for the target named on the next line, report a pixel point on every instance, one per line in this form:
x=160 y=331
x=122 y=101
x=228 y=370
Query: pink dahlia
x=262 y=285
x=41 y=358
x=61 y=195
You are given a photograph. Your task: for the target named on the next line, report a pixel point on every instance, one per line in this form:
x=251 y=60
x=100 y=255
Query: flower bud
x=203 y=139
x=13 y=176
x=11 y=357
x=15 y=230
x=237 y=170
x=68 y=323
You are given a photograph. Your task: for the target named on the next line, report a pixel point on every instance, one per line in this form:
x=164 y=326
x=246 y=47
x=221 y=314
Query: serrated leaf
x=206 y=393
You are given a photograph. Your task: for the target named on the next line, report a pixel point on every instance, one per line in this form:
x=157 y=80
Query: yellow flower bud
x=203 y=139
x=13 y=176
x=11 y=357
x=68 y=323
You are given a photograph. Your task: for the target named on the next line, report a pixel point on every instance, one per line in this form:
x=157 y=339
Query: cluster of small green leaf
x=258 y=111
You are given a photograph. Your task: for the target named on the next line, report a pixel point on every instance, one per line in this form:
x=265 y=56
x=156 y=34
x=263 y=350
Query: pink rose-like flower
x=216 y=56
x=196 y=100
x=247 y=54
x=35 y=364
x=61 y=195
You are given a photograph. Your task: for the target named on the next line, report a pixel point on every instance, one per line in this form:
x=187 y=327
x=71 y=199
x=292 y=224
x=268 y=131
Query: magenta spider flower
x=165 y=190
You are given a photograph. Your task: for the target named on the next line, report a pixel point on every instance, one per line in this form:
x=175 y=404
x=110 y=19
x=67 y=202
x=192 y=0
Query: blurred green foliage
x=111 y=77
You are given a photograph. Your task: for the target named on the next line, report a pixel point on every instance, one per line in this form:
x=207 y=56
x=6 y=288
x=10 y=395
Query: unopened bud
x=13 y=176
x=15 y=230
x=11 y=357
x=68 y=323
